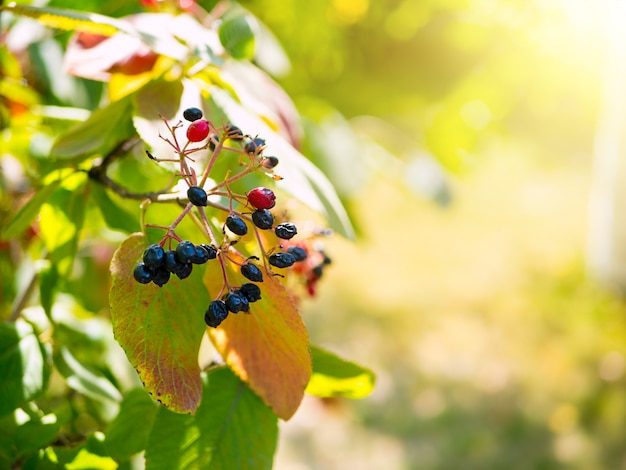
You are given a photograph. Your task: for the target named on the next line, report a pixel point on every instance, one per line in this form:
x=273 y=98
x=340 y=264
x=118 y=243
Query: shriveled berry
x=216 y=313
x=236 y=225
x=172 y=264
x=161 y=276
x=269 y=162
x=198 y=130
x=185 y=251
x=286 y=230
x=184 y=271
x=233 y=301
x=212 y=252
x=298 y=253
x=245 y=303
x=142 y=273
x=263 y=219
x=250 y=291
x=201 y=256
x=282 y=260
x=262 y=198
x=233 y=132
x=192 y=114
x=252 y=272
x=154 y=256
x=197 y=196
x=254 y=145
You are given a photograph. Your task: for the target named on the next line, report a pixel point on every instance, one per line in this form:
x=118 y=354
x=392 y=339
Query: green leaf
x=24 y=363
x=85 y=460
x=237 y=36
x=336 y=377
x=231 y=430
x=25 y=216
x=160 y=329
x=302 y=179
x=115 y=215
x=83 y=380
x=61 y=221
x=124 y=437
x=269 y=348
x=36 y=433
x=102 y=132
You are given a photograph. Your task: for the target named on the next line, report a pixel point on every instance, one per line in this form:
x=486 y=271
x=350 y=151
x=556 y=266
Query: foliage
x=100 y=171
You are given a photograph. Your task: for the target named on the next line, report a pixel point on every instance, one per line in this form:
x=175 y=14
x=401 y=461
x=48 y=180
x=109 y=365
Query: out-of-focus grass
x=492 y=349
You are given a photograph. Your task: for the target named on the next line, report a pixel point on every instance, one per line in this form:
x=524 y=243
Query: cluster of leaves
x=76 y=167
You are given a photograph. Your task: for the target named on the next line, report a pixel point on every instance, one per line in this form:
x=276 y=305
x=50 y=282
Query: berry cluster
x=244 y=214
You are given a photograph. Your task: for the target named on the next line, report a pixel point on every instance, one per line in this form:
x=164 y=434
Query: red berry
x=262 y=198
x=198 y=130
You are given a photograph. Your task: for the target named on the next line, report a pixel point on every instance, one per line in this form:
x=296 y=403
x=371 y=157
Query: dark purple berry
x=201 y=256
x=212 y=252
x=192 y=114
x=197 y=196
x=254 y=145
x=250 y=291
x=161 y=276
x=245 y=303
x=216 y=313
x=252 y=272
x=172 y=264
x=282 y=260
x=236 y=225
x=269 y=162
x=233 y=301
x=184 y=271
x=263 y=219
x=142 y=274
x=154 y=256
x=286 y=230
x=185 y=251
x=298 y=253
x=233 y=132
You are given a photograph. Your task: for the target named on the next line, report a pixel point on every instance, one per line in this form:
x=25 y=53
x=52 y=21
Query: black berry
x=298 y=253
x=254 y=145
x=197 y=196
x=236 y=225
x=282 y=260
x=318 y=270
x=154 y=256
x=216 y=313
x=185 y=251
x=213 y=140
x=161 y=276
x=269 y=162
x=212 y=252
x=172 y=264
x=252 y=272
x=263 y=219
x=286 y=230
x=233 y=132
x=201 y=256
x=184 y=271
x=233 y=301
x=192 y=114
x=142 y=274
x=250 y=291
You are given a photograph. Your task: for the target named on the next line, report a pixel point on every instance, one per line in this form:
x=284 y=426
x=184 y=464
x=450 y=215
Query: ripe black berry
x=142 y=274
x=233 y=301
x=197 y=196
x=161 y=276
x=171 y=263
x=269 y=162
x=184 y=271
x=201 y=256
x=282 y=260
x=185 y=251
x=254 y=145
x=252 y=272
x=154 y=256
x=250 y=291
x=192 y=114
x=263 y=219
x=216 y=313
x=298 y=253
x=236 y=225
x=233 y=132
x=286 y=230
x=212 y=252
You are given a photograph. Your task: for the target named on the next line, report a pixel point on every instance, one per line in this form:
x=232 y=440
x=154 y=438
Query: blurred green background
x=493 y=347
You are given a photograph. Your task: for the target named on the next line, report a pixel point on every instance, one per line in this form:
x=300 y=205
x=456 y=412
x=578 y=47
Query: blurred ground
x=491 y=347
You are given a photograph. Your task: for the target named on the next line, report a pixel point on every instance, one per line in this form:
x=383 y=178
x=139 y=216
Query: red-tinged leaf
x=267 y=348
x=160 y=329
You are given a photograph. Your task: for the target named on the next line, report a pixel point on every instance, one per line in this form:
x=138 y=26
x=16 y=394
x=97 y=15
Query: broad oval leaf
x=237 y=36
x=336 y=377
x=160 y=329
x=232 y=429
